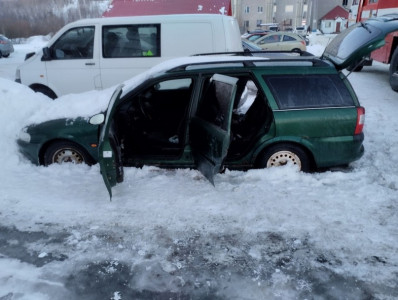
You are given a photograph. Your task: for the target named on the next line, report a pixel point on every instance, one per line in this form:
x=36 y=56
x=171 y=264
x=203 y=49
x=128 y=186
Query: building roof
x=337 y=12
x=119 y=8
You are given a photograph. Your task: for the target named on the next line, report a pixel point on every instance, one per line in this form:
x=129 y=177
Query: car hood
x=360 y=40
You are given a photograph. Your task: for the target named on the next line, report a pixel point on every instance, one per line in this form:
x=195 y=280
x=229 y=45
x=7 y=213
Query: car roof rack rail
x=312 y=61
x=250 y=53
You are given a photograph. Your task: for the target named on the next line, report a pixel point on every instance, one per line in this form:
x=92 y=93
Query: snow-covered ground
x=169 y=234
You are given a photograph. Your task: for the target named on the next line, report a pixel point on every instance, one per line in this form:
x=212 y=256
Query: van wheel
x=394 y=71
x=66 y=152
x=46 y=91
x=285 y=154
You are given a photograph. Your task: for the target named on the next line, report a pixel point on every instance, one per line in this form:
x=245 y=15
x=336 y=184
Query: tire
x=394 y=69
x=283 y=154
x=6 y=55
x=64 y=152
x=46 y=91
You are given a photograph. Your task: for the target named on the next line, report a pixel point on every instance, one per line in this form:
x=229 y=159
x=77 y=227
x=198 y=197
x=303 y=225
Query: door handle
x=90 y=64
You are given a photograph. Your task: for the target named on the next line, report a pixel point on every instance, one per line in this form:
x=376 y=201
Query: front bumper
x=29 y=150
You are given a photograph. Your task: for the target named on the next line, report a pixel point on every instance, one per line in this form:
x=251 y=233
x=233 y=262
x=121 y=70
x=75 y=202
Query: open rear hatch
x=359 y=40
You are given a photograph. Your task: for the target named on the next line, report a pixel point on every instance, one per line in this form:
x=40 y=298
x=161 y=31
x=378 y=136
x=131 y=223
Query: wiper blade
x=366 y=27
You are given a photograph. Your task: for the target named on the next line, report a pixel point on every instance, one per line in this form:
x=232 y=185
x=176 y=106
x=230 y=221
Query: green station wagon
x=215 y=112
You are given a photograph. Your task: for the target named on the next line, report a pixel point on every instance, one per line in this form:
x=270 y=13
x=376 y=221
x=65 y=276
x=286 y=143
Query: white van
x=98 y=53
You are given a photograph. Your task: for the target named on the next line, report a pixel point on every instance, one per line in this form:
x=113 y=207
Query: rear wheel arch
x=40 y=88
x=43 y=160
x=297 y=148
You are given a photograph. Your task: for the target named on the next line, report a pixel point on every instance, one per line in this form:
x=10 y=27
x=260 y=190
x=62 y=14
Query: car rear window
x=309 y=91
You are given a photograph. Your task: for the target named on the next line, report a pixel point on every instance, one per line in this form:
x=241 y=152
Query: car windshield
x=353 y=38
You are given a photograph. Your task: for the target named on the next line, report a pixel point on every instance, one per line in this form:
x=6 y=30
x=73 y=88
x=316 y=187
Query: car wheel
x=6 y=55
x=46 y=91
x=1 y=54
x=65 y=152
x=284 y=154
x=394 y=71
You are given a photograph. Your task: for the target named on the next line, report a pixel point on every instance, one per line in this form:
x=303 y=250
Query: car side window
x=271 y=39
x=288 y=38
x=76 y=43
x=142 y=40
x=214 y=103
x=299 y=91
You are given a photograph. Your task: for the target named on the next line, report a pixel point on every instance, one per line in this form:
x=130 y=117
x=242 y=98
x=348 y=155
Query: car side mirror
x=46 y=54
x=97 y=119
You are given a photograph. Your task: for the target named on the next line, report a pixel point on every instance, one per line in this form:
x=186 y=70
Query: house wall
x=251 y=13
x=331 y=26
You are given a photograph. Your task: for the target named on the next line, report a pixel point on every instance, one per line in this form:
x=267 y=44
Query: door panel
x=74 y=64
x=210 y=129
x=109 y=148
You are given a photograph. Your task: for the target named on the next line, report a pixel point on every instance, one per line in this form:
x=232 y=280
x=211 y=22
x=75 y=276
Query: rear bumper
x=339 y=151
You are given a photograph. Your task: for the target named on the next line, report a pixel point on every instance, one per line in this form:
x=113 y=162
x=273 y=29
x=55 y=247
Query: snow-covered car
x=215 y=112
x=6 y=47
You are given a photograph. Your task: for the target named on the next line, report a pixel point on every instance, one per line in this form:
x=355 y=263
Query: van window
x=303 y=91
x=131 y=41
x=76 y=43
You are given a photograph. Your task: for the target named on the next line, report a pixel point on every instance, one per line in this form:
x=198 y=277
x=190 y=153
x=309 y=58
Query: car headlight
x=24 y=136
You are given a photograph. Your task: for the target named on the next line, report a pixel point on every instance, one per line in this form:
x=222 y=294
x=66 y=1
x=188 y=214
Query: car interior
x=154 y=121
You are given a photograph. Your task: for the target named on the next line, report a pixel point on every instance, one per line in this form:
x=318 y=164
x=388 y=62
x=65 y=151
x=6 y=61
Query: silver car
x=6 y=47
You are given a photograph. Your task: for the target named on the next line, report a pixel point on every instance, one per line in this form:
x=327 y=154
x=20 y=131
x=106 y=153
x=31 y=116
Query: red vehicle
x=388 y=54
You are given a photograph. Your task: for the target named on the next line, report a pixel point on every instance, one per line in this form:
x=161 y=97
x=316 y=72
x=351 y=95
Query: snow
x=262 y=234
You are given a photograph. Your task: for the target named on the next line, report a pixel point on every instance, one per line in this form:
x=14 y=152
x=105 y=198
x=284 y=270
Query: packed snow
x=169 y=234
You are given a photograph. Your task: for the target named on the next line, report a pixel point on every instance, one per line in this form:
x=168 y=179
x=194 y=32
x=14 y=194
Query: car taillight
x=302 y=42
x=360 y=120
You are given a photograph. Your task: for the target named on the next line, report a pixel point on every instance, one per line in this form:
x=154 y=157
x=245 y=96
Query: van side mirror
x=46 y=54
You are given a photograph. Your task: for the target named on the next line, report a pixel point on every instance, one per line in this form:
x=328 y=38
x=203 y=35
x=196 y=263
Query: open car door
x=109 y=148
x=210 y=128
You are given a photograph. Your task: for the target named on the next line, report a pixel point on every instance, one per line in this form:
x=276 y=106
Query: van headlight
x=24 y=136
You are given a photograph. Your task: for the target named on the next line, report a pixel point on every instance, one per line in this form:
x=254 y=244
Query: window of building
x=247 y=9
x=289 y=8
x=260 y=9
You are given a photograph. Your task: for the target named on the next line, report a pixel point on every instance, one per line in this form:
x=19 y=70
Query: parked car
x=301 y=30
x=281 y=41
x=6 y=47
x=219 y=112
